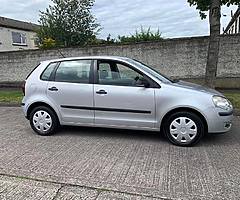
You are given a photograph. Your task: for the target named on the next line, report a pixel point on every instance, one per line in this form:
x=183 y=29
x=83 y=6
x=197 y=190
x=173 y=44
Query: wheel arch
x=186 y=109
x=40 y=103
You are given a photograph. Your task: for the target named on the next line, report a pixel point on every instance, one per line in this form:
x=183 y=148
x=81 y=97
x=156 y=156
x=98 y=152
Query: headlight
x=222 y=102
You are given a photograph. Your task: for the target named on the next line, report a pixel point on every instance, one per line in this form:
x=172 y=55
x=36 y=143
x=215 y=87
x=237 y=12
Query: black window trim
x=91 y=76
x=153 y=84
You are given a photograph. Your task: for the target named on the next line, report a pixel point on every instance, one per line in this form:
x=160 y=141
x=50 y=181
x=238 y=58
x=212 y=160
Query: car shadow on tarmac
x=207 y=140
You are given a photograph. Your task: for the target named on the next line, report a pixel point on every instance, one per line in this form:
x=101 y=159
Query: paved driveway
x=93 y=163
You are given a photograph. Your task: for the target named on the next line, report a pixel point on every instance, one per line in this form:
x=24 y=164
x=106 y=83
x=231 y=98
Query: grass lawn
x=15 y=97
x=11 y=96
x=234 y=97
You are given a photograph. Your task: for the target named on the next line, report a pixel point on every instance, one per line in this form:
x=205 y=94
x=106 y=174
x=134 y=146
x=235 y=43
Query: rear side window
x=48 y=71
x=76 y=71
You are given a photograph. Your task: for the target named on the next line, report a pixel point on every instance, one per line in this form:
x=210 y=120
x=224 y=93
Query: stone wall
x=183 y=58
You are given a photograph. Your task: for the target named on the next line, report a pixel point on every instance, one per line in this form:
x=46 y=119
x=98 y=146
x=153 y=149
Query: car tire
x=184 y=128
x=43 y=121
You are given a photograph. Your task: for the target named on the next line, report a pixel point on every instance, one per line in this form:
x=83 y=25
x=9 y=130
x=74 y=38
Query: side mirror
x=142 y=82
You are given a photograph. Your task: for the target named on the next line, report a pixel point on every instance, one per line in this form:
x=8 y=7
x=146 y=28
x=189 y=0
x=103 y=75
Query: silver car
x=118 y=92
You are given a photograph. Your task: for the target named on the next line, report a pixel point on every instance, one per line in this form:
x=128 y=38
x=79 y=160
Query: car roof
x=116 y=58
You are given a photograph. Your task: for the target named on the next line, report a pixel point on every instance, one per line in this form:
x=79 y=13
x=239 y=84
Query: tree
x=214 y=8
x=68 y=23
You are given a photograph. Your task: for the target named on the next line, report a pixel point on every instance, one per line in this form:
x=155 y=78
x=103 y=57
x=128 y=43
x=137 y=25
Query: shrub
x=48 y=43
x=142 y=36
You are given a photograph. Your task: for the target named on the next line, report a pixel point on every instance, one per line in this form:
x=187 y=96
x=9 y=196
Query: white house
x=17 y=35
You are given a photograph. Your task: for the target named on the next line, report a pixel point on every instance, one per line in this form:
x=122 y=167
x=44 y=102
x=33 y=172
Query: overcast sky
x=173 y=18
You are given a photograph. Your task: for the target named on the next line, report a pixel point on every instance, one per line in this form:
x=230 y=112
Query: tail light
x=23 y=87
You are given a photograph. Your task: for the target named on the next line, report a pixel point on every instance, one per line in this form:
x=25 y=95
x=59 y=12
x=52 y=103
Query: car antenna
x=61 y=53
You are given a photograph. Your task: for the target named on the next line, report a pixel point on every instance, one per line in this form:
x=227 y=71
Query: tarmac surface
x=94 y=163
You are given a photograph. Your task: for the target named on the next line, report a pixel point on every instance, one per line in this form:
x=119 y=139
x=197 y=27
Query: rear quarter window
x=48 y=71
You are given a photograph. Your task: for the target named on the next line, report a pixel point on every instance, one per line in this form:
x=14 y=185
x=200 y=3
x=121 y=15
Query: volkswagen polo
x=118 y=92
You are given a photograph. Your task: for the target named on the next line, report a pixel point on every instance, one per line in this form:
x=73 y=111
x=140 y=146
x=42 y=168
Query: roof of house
x=12 y=23
x=234 y=18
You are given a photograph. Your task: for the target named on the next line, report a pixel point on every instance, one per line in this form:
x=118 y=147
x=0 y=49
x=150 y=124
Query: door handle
x=53 y=89
x=101 y=92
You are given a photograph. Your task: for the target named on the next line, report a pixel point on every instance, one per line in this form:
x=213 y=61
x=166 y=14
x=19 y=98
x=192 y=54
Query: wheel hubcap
x=42 y=121
x=183 y=129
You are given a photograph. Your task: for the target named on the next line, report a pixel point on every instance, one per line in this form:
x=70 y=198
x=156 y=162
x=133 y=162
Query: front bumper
x=219 y=121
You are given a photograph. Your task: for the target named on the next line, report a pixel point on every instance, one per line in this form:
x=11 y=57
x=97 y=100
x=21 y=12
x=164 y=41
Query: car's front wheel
x=184 y=128
x=43 y=121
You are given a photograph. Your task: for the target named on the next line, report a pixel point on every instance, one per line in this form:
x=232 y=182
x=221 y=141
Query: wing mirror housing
x=142 y=82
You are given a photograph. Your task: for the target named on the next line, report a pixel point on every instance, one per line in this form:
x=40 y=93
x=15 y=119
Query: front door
x=120 y=100
x=72 y=91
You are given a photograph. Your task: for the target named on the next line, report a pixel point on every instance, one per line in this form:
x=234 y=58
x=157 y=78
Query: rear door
x=120 y=100
x=72 y=91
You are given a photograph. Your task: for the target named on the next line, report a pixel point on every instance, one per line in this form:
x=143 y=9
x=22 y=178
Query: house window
x=19 y=38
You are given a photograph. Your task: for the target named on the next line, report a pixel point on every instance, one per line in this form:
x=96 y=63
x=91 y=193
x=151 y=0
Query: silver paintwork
x=183 y=129
x=159 y=101
x=42 y=121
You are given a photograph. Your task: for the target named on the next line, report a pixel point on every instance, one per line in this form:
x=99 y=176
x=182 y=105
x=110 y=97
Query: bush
x=142 y=36
x=48 y=43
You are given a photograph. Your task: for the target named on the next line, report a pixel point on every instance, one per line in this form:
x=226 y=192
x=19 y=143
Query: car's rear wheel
x=184 y=128
x=43 y=121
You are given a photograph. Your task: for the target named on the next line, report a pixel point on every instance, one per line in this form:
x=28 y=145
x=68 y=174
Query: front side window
x=77 y=71
x=127 y=73
x=104 y=71
x=153 y=71
x=111 y=73
x=19 y=38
